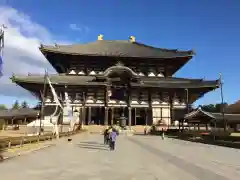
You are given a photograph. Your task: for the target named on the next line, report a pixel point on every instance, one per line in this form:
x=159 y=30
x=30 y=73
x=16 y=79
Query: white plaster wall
x=66 y=117
x=166 y=119
x=156 y=113
x=166 y=115
x=51 y=119
x=76 y=115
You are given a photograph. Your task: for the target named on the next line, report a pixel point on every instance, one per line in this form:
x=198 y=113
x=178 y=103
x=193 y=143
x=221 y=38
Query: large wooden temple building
x=106 y=79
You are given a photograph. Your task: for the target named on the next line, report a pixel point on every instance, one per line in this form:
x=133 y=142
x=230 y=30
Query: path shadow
x=93 y=145
x=96 y=147
x=223 y=143
x=90 y=142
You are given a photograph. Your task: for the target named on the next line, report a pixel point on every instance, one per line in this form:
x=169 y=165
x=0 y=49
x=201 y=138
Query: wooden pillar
x=89 y=115
x=135 y=116
x=106 y=98
x=161 y=113
x=80 y=116
x=179 y=125
x=129 y=100
x=150 y=119
x=99 y=115
x=146 y=116
x=106 y=116
x=62 y=112
x=83 y=119
x=171 y=108
x=72 y=113
x=112 y=117
x=187 y=100
x=12 y=121
x=130 y=116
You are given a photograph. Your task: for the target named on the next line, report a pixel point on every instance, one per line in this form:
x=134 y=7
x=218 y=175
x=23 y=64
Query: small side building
x=18 y=116
x=200 y=117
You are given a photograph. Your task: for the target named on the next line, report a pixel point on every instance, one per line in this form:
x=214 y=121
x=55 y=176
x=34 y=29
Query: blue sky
x=209 y=27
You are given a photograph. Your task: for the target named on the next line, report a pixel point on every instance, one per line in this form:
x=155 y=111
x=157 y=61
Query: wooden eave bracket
x=13 y=78
x=192 y=52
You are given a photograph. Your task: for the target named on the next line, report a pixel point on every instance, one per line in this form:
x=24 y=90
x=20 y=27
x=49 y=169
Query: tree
x=215 y=108
x=38 y=106
x=3 y=107
x=209 y=107
x=16 y=105
x=24 y=104
x=219 y=107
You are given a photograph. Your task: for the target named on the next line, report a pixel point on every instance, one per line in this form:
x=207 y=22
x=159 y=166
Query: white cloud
x=75 y=27
x=21 y=54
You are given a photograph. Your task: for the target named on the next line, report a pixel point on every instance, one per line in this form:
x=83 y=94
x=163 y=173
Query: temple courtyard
x=136 y=158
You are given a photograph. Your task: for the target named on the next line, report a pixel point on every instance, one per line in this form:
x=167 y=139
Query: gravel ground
x=135 y=157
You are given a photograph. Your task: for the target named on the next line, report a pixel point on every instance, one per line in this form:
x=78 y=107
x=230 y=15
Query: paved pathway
x=136 y=157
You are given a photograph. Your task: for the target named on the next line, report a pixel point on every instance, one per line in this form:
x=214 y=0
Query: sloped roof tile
x=117 y=48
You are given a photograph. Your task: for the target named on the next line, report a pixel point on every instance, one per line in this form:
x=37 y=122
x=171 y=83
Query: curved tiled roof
x=116 y=48
x=18 y=113
x=197 y=116
x=119 y=68
x=164 y=82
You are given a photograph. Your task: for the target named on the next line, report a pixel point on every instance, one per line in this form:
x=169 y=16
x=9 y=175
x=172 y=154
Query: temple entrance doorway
x=115 y=113
x=95 y=115
x=141 y=116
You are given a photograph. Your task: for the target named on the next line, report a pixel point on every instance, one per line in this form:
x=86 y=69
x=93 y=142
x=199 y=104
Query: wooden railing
x=9 y=142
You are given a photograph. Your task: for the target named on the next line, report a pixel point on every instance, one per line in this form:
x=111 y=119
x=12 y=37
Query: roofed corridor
x=136 y=157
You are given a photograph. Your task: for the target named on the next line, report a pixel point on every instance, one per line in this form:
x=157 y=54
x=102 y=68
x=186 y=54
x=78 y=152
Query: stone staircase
x=99 y=129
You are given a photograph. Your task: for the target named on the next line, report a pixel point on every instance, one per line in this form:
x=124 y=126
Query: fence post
x=21 y=142
x=9 y=144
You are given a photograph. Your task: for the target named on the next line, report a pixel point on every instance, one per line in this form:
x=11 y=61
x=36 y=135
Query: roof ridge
x=163 y=49
x=125 y=41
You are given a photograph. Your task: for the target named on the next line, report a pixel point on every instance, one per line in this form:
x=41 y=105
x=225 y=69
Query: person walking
x=1 y=156
x=113 y=137
x=163 y=134
x=106 y=136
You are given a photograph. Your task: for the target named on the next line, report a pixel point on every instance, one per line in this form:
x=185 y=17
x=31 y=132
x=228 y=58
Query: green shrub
x=2 y=124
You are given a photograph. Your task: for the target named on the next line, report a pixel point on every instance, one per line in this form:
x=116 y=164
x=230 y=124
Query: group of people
x=110 y=136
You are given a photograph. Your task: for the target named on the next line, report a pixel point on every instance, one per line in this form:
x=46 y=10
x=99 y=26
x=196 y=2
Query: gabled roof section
x=33 y=82
x=213 y=117
x=164 y=82
x=18 y=113
x=55 y=79
x=199 y=112
x=116 y=48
